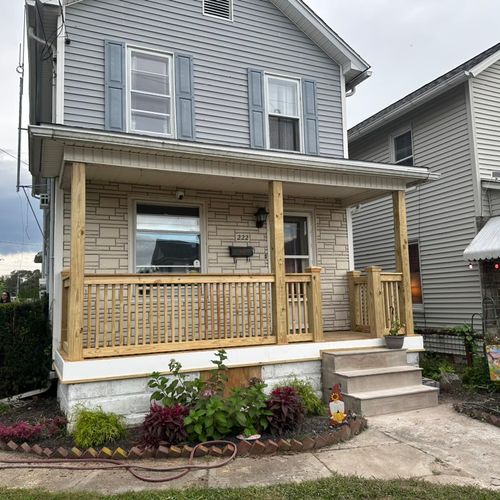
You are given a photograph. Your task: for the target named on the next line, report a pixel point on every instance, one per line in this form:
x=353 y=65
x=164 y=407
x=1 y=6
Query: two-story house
x=452 y=126
x=192 y=155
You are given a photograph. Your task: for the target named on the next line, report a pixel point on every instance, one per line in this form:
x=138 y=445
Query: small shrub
x=164 y=424
x=23 y=431
x=96 y=427
x=477 y=376
x=4 y=408
x=312 y=403
x=287 y=410
x=434 y=365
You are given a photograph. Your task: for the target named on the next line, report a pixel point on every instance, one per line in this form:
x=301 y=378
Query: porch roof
x=353 y=181
x=486 y=243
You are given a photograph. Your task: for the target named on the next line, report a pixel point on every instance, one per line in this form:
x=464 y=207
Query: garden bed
x=484 y=407
x=314 y=433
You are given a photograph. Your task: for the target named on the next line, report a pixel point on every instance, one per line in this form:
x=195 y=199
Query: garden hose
x=111 y=464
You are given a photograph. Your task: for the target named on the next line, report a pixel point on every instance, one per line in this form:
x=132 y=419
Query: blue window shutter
x=256 y=110
x=311 y=140
x=114 y=82
x=184 y=97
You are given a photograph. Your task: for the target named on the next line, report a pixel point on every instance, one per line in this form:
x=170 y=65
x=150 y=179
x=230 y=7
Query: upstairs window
x=415 y=279
x=167 y=239
x=223 y=9
x=283 y=110
x=403 y=149
x=150 y=92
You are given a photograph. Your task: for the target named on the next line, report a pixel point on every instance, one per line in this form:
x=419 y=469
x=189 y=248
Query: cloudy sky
x=407 y=42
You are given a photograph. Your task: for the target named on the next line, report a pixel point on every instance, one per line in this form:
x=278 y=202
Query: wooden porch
x=110 y=315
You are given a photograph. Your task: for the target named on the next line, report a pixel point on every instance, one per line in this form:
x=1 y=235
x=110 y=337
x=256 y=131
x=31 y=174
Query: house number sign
x=242 y=237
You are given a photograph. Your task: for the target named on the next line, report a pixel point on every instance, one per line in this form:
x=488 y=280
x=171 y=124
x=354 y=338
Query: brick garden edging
x=245 y=448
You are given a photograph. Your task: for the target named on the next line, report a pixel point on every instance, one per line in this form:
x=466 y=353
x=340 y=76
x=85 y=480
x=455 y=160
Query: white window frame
x=393 y=138
x=133 y=202
x=231 y=10
x=128 y=69
x=311 y=239
x=300 y=117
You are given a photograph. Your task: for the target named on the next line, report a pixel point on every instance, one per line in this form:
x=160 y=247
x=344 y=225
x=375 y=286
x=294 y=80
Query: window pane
x=149 y=63
x=403 y=147
x=296 y=236
x=415 y=278
x=167 y=239
x=150 y=123
x=144 y=102
x=145 y=82
x=296 y=265
x=283 y=97
x=284 y=133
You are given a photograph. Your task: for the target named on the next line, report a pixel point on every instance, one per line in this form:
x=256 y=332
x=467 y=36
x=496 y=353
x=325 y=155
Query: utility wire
x=13 y=156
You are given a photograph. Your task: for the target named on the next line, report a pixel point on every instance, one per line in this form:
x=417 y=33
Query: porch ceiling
x=212 y=167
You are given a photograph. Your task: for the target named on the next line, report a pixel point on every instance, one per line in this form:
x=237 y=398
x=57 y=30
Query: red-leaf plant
x=23 y=431
x=164 y=424
x=287 y=410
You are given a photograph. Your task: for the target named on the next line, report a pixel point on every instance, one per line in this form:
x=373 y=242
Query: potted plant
x=396 y=337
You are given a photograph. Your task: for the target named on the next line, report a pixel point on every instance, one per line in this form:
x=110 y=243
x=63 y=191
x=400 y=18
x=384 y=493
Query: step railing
x=375 y=300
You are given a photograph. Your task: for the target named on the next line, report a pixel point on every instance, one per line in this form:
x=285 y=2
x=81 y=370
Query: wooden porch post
x=315 y=305
x=376 y=319
x=277 y=235
x=403 y=259
x=77 y=263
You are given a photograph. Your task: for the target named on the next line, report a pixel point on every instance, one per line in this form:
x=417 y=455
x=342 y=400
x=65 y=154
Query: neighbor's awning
x=486 y=244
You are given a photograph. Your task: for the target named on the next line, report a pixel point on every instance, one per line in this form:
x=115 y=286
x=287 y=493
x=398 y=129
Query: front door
x=296 y=244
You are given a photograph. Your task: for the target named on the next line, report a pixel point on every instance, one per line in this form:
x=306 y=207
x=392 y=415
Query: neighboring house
x=162 y=136
x=452 y=126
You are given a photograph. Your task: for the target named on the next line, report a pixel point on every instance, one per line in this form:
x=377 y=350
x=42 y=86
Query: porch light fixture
x=261 y=217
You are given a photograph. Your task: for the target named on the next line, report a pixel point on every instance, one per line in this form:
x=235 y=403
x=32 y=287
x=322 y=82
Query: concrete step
x=392 y=400
x=374 y=379
x=361 y=359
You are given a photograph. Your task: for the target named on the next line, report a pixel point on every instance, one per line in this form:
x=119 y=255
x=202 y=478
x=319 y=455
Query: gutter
x=357 y=133
x=76 y=136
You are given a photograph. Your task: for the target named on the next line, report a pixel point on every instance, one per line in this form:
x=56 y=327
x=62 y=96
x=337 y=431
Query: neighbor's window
x=167 y=239
x=403 y=149
x=296 y=244
x=283 y=112
x=150 y=92
x=415 y=279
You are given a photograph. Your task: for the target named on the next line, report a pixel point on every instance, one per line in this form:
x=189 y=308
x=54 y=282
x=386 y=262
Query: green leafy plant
x=468 y=334
x=96 y=427
x=434 y=365
x=164 y=424
x=209 y=419
x=287 y=410
x=477 y=376
x=397 y=328
x=312 y=403
x=4 y=408
x=174 y=389
x=218 y=376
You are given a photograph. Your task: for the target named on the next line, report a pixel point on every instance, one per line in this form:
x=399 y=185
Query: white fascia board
x=95 y=138
x=407 y=106
x=479 y=68
x=194 y=361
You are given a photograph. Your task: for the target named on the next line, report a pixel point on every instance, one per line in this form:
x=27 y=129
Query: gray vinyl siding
x=441 y=214
x=260 y=37
x=486 y=102
x=491 y=203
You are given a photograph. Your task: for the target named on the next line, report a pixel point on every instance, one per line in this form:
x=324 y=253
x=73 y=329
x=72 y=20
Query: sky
x=407 y=43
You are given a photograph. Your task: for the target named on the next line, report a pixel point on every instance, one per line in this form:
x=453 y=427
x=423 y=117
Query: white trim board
x=194 y=361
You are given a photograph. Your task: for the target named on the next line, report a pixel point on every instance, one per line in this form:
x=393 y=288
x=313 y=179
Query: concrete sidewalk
x=435 y=444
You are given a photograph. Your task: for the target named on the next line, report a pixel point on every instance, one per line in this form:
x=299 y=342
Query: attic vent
x=218 y=8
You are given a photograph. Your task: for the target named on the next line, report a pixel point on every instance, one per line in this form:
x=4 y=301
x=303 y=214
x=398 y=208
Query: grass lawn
x=334 y=487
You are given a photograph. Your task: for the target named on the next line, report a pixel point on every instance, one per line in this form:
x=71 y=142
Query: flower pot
x=394 y=341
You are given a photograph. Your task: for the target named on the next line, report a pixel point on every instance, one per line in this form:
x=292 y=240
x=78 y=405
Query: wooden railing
x=140 y=313
x=375 y=300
